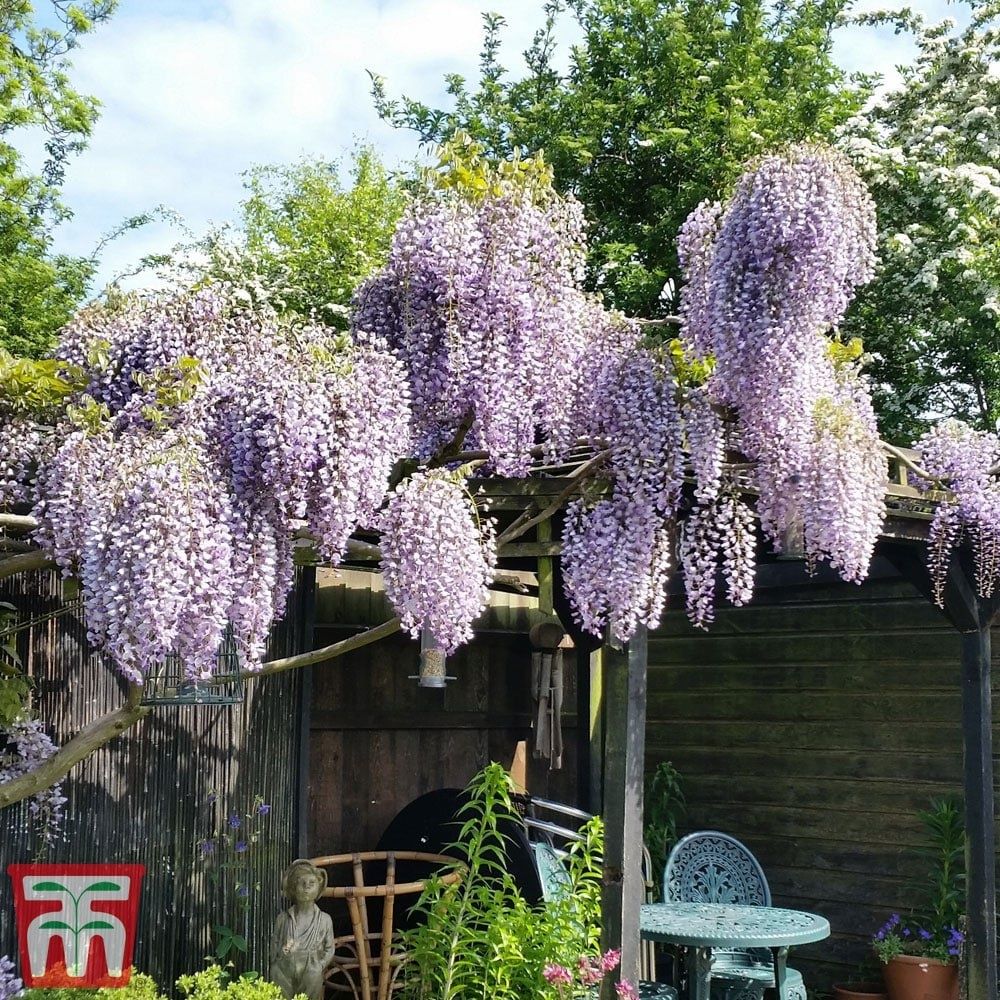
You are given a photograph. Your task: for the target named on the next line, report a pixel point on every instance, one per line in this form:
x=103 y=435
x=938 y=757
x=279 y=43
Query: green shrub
x=214 y=983
x=140 y=987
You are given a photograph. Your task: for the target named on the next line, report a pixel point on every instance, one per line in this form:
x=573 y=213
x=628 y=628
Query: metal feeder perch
x=169 y=686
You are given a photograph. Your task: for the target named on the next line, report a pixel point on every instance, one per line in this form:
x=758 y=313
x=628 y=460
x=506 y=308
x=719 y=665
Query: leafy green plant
x=480 y=937
x=139 y=987
x=14 y=683
x=225 y=858
x=215 y=983
x=934 y=927
x=664 y=808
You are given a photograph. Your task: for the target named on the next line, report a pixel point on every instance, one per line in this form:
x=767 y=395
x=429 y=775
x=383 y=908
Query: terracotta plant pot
x=912 y=977
x=860 y=991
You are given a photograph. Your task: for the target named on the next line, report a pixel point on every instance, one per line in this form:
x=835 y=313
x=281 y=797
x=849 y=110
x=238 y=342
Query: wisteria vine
x=27 y=747
x=963 y=462
x=203 y=438
x=769 y=275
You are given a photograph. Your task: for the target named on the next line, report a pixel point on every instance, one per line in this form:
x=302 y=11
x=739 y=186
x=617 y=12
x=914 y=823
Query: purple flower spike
x=263 y=809
x=234 y=821
x=240 y=846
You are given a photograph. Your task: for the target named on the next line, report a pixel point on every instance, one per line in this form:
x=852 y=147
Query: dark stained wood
x=624 y=740
x=813 y=724
x=377 y=740
x=981 y=902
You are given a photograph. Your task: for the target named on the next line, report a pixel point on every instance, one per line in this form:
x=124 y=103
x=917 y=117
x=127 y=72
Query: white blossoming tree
x=930 y=153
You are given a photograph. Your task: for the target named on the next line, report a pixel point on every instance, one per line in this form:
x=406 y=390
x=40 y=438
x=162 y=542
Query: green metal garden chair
x=712 y=867
x=555 y=880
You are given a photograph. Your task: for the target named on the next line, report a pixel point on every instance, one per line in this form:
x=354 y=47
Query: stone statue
x=302 y=940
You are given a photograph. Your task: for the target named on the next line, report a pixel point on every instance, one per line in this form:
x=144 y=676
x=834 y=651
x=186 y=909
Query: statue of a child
x=302 y=940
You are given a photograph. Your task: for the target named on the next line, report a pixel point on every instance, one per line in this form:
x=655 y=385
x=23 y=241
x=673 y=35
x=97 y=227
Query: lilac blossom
x=10 y=984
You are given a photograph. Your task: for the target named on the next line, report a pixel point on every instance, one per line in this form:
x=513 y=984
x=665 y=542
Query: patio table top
x=725 y=925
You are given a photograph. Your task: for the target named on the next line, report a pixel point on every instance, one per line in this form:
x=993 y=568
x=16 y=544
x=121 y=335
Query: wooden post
x=304 y=640
x=593 y=680
x=624 y=745
x=981 y=904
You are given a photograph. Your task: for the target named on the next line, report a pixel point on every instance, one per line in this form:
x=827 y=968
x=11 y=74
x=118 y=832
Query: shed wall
x=813 y=725
x=377 y=740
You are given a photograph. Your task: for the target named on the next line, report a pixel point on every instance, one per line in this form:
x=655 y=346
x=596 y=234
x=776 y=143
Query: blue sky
x=196 y=92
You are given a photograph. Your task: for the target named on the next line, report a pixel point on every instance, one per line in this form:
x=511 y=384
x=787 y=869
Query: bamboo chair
x=367 y=962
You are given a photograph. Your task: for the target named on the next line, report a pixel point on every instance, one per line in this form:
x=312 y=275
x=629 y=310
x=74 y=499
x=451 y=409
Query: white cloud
x=196 y=92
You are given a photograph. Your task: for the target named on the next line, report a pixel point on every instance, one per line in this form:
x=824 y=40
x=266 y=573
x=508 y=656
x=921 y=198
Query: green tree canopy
x=38 y=289
x=663 y=103
x=306 y=240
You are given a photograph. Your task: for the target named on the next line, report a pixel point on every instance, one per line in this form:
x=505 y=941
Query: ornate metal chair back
x=712 y=867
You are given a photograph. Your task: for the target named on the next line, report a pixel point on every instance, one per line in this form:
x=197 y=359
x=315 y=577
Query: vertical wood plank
x=595 y=731
x=625 y=731
x=981 y=847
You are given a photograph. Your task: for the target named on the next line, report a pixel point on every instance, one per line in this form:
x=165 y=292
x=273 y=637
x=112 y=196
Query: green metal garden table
x=702 y=927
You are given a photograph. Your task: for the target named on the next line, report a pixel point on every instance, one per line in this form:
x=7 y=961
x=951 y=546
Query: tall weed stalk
x=480 y=938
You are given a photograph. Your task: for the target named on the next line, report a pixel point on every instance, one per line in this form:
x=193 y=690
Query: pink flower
x=626 y=991
x=590 y=971
x=610 y=959
x=556 y=974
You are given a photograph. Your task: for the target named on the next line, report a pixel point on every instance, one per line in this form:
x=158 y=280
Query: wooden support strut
x=624 y=739
x=981 y=903
x=973 y=617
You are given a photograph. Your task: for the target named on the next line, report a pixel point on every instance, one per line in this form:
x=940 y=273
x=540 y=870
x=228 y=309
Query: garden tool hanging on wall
x=547 y=689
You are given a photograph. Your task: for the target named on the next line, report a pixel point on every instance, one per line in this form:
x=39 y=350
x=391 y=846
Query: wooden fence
x=168 y=784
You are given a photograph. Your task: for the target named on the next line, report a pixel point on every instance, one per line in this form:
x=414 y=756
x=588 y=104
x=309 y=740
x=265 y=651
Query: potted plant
x=920 y=953
x=859 y=991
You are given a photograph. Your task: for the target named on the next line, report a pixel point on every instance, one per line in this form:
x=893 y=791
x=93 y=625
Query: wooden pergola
x=613 y=698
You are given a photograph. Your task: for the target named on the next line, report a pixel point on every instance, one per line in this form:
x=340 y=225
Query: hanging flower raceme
x=961 y=460
x=481 y=300
x=438 y=557
x=207 y=436
x=27 y=747
x=616 y=552
x=769 y=274
x=10 y=984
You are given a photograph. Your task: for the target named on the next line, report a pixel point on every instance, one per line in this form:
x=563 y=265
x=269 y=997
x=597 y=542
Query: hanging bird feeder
x=432 y=663
x=169 y=686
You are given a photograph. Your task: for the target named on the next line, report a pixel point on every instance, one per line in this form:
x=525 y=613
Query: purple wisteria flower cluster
x=769 y=275
x=481 y=300
x=438 y=557
x=207 y=435
x=22 y=444
x=962 y=461
x=616 y=553
x=27 y=747
x=10 y=984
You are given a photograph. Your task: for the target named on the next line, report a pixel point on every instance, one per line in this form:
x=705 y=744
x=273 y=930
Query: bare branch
x=24 y=562
x=93 y=736
x=663 y=321
x=18 y=522
x=454 y=446
x=905 y=459
x=524 y=522
x=348 y=645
